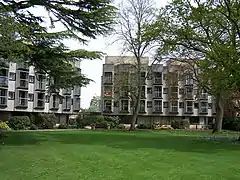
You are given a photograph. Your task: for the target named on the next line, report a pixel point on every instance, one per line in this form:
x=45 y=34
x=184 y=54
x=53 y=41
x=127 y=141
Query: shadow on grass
x=126 y=141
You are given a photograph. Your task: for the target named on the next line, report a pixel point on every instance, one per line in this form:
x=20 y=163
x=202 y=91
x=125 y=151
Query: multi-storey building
x=165 y=96
x=23 y=90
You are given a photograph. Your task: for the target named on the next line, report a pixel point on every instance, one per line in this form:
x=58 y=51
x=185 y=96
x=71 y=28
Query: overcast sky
x=93 y=68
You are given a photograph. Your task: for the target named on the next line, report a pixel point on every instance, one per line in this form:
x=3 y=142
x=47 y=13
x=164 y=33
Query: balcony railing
x=23 y=102
x=189 y=109
x=174 y=109
x=3 y=81
x=203 y=96
x=23 y=83
x=157 y=109
x=157 y=94
x=157 y=80
x=203 y=110
x=3 y=100
x=40 y=103
x=107 y=80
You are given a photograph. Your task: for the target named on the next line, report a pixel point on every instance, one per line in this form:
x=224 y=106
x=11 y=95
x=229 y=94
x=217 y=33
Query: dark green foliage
x=19 y=122
x=113 y=121
x=231 y=123
x=180 y=124
x=45 y=121
x=33 y=127
x=144 y=126
x=25 y=36
x=62 y=126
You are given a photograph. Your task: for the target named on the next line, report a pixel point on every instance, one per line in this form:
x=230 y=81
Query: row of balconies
x=21 y=99
x=157 y=106
x=155 y=77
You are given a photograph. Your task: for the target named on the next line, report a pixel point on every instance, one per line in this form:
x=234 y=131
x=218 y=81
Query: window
x=31 y=79
x=116 y=104
x=107 y=105
x=157 y=77
x=158 y=106
x=149 y=104
x=143 y=92
x=107 y=90
x=23 y=98
x=40 y=99
x=174 y=106
x=158 y=91
x=181 y=91
x=11 y=95
x=165 y=90
x=108 y=77
x=165 y=104
x=149 y=90
x=41 y=81
x=181 y=104
x=203 y=107
x=189 y=79
x=164 y=76
x=30 y=97
x=196 y=105
x=12 y=76
x=174 y=92
x=55 y=101
x=142 y=105
x=124 y=105
x=189 y=106
x=3 y=97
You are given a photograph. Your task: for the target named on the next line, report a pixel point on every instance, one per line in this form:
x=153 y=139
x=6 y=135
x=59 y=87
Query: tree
x=205 y=36
x=26 y=38
x=133 y=16
x=95 y=104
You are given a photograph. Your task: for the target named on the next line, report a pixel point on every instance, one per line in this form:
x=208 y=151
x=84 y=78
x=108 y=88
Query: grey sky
x=93 y=68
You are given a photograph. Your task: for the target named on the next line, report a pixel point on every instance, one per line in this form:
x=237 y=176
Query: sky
x=93 y=68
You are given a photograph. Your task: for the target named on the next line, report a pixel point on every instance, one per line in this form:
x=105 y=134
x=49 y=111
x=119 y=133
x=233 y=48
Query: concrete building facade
x=23 y=90
x=164 y=96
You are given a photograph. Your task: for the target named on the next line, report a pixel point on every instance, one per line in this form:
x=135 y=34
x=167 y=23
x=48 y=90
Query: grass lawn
x=109 y=155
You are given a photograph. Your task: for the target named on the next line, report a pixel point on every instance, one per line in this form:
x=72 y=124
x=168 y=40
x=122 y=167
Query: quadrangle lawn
x=109 y=155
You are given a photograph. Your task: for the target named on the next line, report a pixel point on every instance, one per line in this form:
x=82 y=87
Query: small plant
x=180 y=124
x=33 y=127
x=4 y=126
x=62 y=126
x=19 y=122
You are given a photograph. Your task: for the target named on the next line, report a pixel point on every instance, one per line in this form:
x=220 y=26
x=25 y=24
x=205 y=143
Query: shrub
x=62 y=126
x=180 y=124
x=4 y=126
x=231 y=123
x=144 y=126
x=19 y=122
x=46 y=121
x=33 y=127
x=120 y=126
x=102 y=124
x=112 y=120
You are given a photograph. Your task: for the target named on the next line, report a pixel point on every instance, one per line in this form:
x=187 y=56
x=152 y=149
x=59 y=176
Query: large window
x=124 y=105
x=174 y=106
x=142 y=105
x=108 y=77
x=158 y=106
x=107 y=105
x=203 y=107
x=157 y=91
x=189 y=107
x=3 y=96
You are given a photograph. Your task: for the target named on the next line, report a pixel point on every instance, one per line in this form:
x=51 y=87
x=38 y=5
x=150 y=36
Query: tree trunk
x=219 y=113
x=136 y=107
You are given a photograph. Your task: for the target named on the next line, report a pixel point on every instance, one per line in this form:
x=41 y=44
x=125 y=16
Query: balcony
x=67 y=91
x=3 y=101
x=203 y=96
x=3 y=81
x=40 y=103
x=22 y=66
x=22 y=102
x=77 y=91
x=67 y=103
x=76 y=104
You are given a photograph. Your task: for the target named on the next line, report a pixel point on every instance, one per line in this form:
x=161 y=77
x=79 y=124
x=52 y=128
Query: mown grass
x=96 y=155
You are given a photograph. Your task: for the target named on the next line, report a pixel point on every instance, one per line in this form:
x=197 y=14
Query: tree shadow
x=125 y=141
